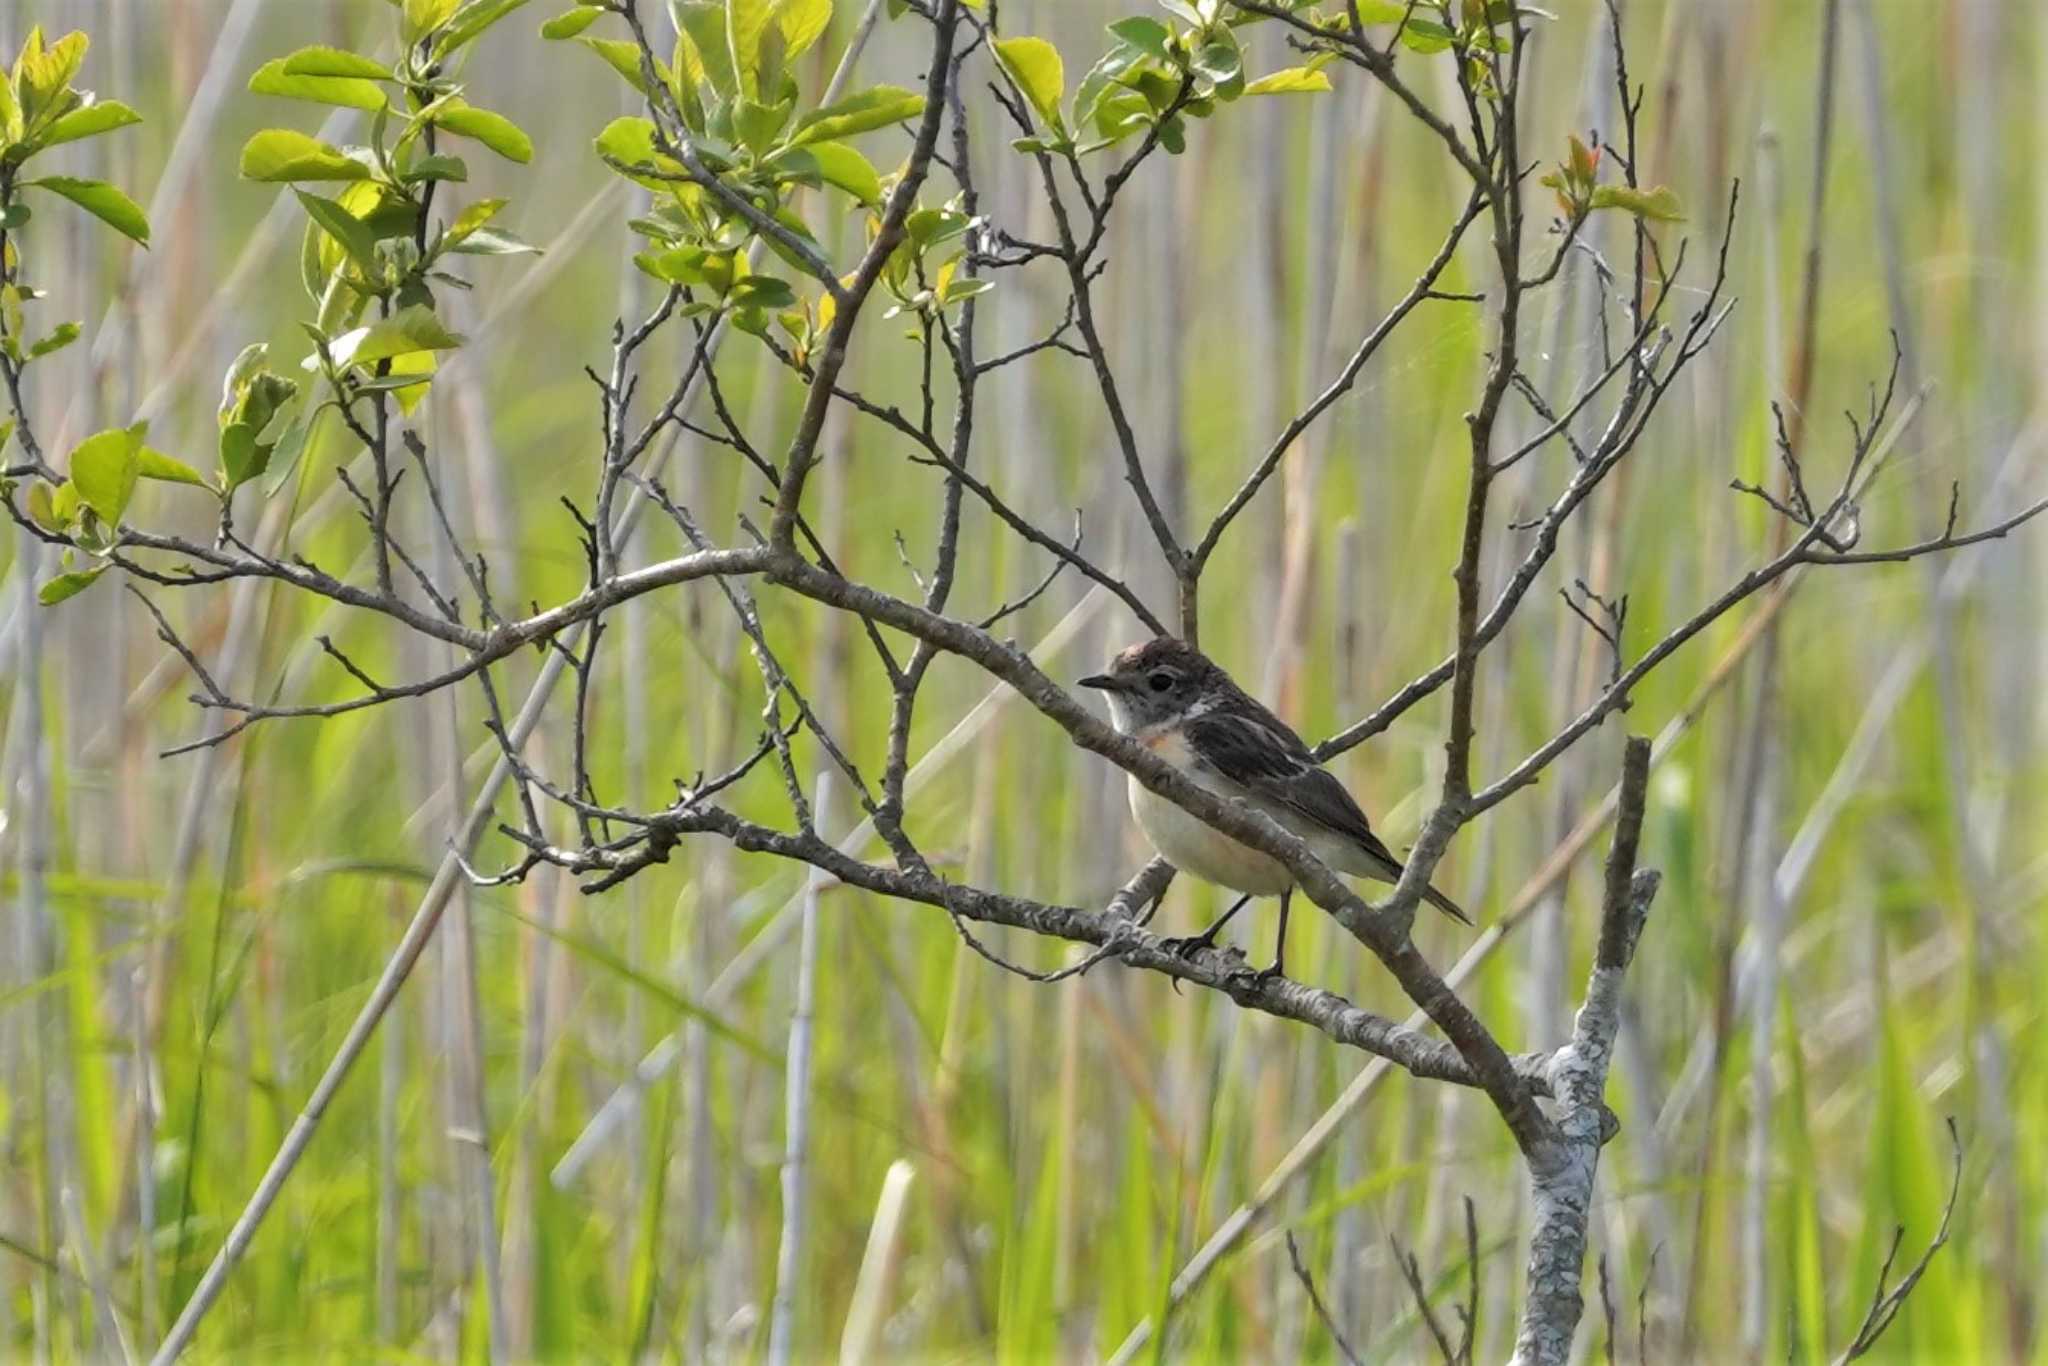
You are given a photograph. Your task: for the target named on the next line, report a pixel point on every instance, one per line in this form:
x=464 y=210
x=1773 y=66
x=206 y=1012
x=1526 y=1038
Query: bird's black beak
x=1102 y=681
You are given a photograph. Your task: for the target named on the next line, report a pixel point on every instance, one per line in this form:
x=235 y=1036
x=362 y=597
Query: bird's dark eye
x=1160 y=681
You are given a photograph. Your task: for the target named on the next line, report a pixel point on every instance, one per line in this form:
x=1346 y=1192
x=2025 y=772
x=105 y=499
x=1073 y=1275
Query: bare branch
x=803 y=446
x=1353 y=48
x=1337 y=387
x=1613 y=614
x=1948 y=540
x=1411 y=1272
x=1031 y=532
x=1562 y=1177
x=1885 y=1305
x=1218 y=970
x=1315 y=1300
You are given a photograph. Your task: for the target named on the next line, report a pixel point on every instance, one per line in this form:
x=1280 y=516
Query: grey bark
x=1561 y=1175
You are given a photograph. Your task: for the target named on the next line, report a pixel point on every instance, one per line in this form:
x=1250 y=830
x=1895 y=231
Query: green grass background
x=1071 y=1146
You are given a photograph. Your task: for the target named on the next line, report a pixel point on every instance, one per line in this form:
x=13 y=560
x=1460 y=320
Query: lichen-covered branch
x=1561 y=1176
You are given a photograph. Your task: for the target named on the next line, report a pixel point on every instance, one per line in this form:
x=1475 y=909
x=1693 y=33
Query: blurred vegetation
x=1858 y=800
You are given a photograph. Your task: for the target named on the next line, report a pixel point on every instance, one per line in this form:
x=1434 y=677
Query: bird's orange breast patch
x=1169 y=743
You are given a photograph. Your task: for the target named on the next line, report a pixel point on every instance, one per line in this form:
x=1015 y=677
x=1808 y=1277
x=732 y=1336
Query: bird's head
x=1158 y=681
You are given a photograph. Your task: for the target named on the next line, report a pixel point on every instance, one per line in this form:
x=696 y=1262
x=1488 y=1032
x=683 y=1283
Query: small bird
x=1170 y=698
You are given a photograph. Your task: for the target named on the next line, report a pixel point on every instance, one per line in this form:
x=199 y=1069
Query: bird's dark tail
x=1446 y=905
x=1390 y=870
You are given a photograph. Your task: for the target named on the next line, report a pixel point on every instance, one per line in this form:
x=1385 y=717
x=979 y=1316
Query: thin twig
x=1315 y=1300
x=1885 y=1304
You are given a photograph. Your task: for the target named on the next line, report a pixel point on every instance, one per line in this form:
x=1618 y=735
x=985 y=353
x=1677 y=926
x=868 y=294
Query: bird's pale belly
x=1202 y=850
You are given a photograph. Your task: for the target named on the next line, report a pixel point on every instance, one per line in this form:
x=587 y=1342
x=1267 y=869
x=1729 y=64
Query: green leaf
x=282 y=154
x=745 y=21
x=42 y=509
x=957 y=291
x=439 y=167
x=17 y=214
x=756 y=125
x=291 y=445
x=1582 y=163
x=243 y=372
x=1149 y=36
x=103 y=202
x=1219 y=61
x=689 y=266
x=321 y=254
x=241 y=457
x=1160 y=91
x=1119 y=114
x=570 y=23
x=493 y=242
x=470 y=21
x=802 y=23
x=705 y=46
x=493 y=130
x=876 y=107
x=105 y=467
x=474 y=217
x=832 y=163
x=61 y=337
x=628 y=141
x=421 y=364
x=89 y=121
x=763 y=291
x=68 y=585
x=1293 y=80
x=67 y=504
x=42 y=75
x=927 y=228
x=424 y=16
x=408 y=330
x=676 y=266
x=11 y=125
x=349 y=232
x=252 y=400
x=1034 y=64
x=347 y=92
x=154 y=464
x=1661 y=204
x=1101 y=82
x=1425 y=36
x=621 y=56
x=332 y=61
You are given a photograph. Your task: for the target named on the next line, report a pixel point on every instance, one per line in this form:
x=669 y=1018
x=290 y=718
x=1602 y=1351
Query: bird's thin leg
x=1279 y=942
x=1207 y=938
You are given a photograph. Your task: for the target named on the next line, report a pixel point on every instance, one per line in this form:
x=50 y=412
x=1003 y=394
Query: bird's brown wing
x=1260 y=753
x=1269 y=761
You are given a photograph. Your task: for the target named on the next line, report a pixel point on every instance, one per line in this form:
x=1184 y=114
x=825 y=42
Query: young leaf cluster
x=373 y=253
x=41 y=109
x=728 y=144
x=1576 y=182
x=1156 y=75
x=86 y=509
